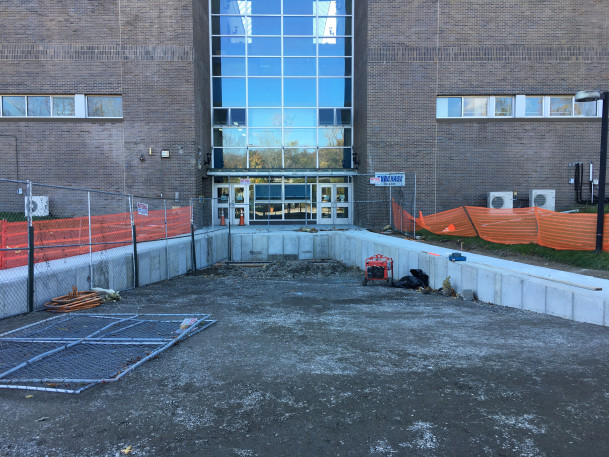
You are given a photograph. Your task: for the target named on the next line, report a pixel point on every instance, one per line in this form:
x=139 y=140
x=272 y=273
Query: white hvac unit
x=40 y=206
x=501 y=200
x=543 y=198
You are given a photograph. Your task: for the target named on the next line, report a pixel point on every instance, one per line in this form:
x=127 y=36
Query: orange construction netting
x=59 y=238
x=451 y=222
x=504 y=226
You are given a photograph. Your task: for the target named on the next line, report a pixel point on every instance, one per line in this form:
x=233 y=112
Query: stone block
x=588 y=308
x=559 y=302
x=487 y=286
x=534 y=297
x=511 y=291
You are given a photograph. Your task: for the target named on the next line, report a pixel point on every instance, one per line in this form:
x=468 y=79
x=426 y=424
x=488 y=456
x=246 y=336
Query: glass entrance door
x=334 y=204
x=231 y=201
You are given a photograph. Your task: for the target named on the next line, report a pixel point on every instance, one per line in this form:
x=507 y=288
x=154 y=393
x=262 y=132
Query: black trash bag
x=409 y=282
x=421 y=276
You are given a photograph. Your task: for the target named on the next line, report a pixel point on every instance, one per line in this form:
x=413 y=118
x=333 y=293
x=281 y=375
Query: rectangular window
x=228 y=66
x=228 y=46
x=264 y=117
x=230 y=138
x=13 y=106
x=585 y=109
x=104 y=106
x=300 y=158
x=504 y=106
x=448 y=107
x=63 y=106
x=39 y=106
x=229 y=92
x=299 y=117
x=534 y=106
x=561 y=106
x=220 y=116
x=475 y=106
x=299 y=66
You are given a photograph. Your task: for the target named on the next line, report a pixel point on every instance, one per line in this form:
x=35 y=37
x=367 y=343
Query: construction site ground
x=305 y=361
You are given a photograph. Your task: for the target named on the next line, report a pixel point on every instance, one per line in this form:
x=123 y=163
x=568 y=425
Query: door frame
x=335 y=203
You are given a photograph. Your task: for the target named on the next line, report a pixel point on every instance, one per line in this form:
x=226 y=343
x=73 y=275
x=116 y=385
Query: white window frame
x=103 y=117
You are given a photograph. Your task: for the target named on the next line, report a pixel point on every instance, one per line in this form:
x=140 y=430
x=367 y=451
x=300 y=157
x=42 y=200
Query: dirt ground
x=305 y=361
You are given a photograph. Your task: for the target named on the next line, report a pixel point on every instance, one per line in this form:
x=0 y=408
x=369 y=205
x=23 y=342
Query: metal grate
x=74 y=352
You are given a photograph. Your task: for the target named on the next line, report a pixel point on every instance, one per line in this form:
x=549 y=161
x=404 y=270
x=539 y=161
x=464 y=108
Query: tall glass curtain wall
x=282 y=84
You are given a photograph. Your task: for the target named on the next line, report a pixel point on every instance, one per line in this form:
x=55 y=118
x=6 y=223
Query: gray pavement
x=304 y=362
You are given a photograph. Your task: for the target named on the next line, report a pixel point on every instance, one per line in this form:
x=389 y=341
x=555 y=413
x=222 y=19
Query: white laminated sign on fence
x=389 y=179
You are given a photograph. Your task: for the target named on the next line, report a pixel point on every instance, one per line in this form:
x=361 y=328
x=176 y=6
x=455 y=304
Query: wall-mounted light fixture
x=355 y=159
x=165 y=153
x=207 y=160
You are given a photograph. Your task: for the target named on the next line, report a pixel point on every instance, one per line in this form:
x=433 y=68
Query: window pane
x=264 y=66
x=299 y=66
x=335 y=92
x=299 y=92
x=237 y=117
x=265 y=117
x=300 y=158
x=333 y=26
x=326 y=117
x=334 y=66
x=268 y=138
x=299 y=46
x=228 y=66
x=266 y=158
x=448 y=107
x=302 y=117
x=298 y=6
x=334 y=46
x=297 y=192
x=533 y=106
x=343 y=117
x=561 y=106
x=220 y=117
x=39 y=106
x=332 y=7
x=294 y=25
x=585 y=109
x=229 y=91
x=104 y=106
x=475 y=106
x=264 y=46
x=63 y=106
x=230 y=138
x=331 y=158
x=243 y=7
x=504 y=106
x=300 y=137
x=266 y=6
x=265 y=192
x=264 y=92
x=13 y=106
x=335 y=137
x=230 y=158
x=228 y=46
x=266 y=25
x=228 y=25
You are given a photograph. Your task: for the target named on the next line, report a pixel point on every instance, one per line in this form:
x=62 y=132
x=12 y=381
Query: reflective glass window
x=333 y=26
x=63 y=106
x=228 y=92
x=331 y=158
x=220 y=116
x=533 y=106
x=299 y=92
x=333 y=7
x=268 y=138
x=245 y=7
x=264 y=46
x=237 y=117
x=264 y=92
x=343 y=117
x=326 y=117
x=228 y=66
x=102 y=106
x=266 y=158
x=299 y=6
x=334 y=46
x=300 y=158
x=300 y=137
x=230 y=158
x=298 y=25
x=39 y=106
x=299 y=46
x=475 y=106
x=299 y=66
x=265 y=25
x=228 y=46
x=585 y=109
x=300 y=117
x=264 y=66
x=561 y=106
x=335 y=92
x=334 y=66
x=267 y=192
x=266 y=6
x=229 y=25
x=297 y=192
x=448 y=107
x=264 y=117
x=335 y=137
x=504 y=106
x=230 y=138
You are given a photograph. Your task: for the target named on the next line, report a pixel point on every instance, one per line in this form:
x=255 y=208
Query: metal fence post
x=192 y=235
x=136 y=268
x=30 y=257
x=390 y=206
x=90 y=242
x=414 y=209
x=166 y=242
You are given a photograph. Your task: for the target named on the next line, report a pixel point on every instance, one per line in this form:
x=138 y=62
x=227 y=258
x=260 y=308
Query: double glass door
x=334 y=204
x=231 y=202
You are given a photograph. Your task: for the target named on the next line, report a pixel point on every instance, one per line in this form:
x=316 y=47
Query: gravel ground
x=305 y=361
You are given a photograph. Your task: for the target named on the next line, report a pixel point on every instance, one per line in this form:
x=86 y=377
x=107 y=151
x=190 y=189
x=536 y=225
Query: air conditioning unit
x=543 y=198
x=40 y=206
x=501 y=200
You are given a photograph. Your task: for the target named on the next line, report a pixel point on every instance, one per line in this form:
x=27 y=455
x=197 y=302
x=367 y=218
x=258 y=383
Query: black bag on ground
x=409 y=282
x=421 y=276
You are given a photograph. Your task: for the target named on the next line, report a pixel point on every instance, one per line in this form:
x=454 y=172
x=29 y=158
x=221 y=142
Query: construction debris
x=74 y=301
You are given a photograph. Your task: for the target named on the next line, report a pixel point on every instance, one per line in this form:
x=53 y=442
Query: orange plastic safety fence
x=451 y=222
x=505 y=226
x=572 y=231
x=59 y=238
x=402 y=220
